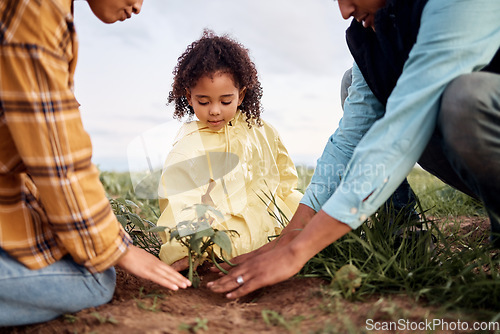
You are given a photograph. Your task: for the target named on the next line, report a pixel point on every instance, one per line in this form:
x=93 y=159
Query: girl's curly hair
x=211 y=54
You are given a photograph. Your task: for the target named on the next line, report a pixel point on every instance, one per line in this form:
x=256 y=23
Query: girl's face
x=215 y=100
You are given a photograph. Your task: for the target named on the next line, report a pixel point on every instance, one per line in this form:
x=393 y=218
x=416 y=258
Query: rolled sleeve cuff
x=111 y=255
x=315 y=196
x=347 y=208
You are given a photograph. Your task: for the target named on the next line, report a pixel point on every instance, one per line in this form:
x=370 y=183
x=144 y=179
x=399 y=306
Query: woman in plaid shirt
x=59 y=238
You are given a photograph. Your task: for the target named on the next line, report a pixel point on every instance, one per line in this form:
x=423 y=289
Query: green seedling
x=273 y=318
x=273 y=209
x=198 y=236
x=104 y=319
x=347 y=279
x=154 y=296
x=70 y=318
x=152 y=308
x=142 y=231
x=200 y=324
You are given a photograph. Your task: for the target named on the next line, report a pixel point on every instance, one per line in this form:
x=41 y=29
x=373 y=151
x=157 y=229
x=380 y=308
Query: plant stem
x=217 y=264
x=190 y=273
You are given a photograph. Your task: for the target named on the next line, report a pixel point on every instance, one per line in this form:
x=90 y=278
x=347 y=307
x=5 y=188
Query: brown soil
x=297 y=305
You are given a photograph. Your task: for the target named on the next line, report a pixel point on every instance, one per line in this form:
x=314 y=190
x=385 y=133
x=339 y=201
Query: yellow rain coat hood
x=233 y=170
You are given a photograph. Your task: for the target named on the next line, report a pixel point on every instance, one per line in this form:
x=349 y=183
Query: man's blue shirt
x=374 y=148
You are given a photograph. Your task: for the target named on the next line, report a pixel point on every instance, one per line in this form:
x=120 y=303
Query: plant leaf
x=174 y=234
x=215 y=212
x=122 y=219
x=222 y=240
x=208 y=232
x=157 y=229
x=195 y=245
x=136 y=220
x=130 y=203
x=201 y=209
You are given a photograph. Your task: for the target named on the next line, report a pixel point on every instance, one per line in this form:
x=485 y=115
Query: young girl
x=229 y=158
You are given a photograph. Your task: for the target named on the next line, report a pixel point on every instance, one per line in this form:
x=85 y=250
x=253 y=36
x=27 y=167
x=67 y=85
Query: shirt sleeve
x=361 y=110
x=455 y=37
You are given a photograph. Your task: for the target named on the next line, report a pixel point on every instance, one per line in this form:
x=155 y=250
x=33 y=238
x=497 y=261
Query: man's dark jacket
x=382 y=55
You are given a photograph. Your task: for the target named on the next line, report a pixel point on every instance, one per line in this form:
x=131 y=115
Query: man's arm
x=361 y=110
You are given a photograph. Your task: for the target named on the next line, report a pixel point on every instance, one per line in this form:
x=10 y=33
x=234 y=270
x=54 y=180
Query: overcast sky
x=124 y=72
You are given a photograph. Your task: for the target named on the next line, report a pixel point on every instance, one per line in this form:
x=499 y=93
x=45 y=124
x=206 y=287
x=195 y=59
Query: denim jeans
x=464 y=150
x=31 y=296
x=403 y=200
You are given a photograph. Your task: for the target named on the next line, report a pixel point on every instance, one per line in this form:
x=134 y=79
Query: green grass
x=440 y=200
x=462 y=273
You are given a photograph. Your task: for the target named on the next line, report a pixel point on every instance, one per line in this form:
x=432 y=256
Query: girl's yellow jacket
x=237 y=170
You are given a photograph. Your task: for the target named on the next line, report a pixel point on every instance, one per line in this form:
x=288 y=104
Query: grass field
x=460 y=274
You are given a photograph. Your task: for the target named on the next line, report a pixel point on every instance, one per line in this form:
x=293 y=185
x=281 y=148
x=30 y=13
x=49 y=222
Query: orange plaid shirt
x=51 y=200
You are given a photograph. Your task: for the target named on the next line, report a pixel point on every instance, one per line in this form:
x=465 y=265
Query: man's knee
x=460 y=97
x=467 y=102
x=344 y=86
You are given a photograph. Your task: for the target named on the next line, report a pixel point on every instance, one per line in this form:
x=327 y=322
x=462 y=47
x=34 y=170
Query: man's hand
x=258 y=271
x=140 y=263
x=281 y=263
x=299 y=220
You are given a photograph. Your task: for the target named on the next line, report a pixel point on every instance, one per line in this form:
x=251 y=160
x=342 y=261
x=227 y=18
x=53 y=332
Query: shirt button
x=362 y=217
x=354 y=211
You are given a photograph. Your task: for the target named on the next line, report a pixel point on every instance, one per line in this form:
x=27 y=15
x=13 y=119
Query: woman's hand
x=140 y=263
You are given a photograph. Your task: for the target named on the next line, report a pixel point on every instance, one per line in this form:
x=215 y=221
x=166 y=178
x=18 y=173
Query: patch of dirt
x=297 y=305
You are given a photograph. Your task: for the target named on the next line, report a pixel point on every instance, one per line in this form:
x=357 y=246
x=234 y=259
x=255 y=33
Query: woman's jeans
x=31 y=296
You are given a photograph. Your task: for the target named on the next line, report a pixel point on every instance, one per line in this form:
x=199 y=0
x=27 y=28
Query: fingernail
x=209 y=284
x=175 y=288
x=229 y=295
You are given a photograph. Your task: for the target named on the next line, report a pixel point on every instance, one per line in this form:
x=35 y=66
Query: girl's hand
x=181 y=264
